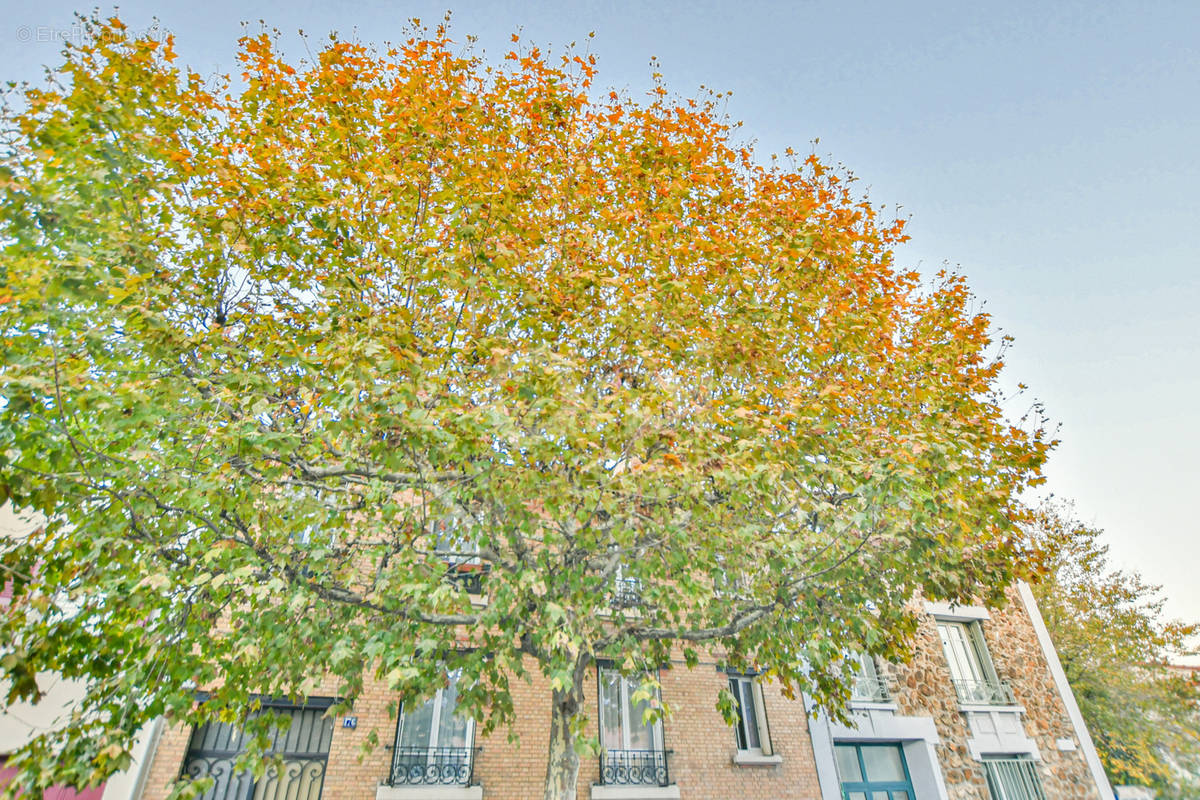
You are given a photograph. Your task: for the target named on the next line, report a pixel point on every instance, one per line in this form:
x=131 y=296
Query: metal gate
x=303 y=745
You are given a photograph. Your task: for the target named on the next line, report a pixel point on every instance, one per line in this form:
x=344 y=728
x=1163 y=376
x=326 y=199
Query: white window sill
x=600 y=792
x=429 y=793
x=873 y=705
x=610 y=612
x=989 y=708
x=747 y=758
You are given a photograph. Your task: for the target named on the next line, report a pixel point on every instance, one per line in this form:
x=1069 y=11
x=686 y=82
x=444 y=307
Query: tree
x=1108 y=628
x=276 y=351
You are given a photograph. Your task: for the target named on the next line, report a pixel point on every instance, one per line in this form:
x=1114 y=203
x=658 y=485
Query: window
x=633 y=748
x=1013 y=779
x=873 y=772
x=730 y=583
x=869 y=687
x=751 y=728
x=303 y=745
x=459 y=551
x=434 y=742
x=971 y=670
x=626 y=590
x=453 y=545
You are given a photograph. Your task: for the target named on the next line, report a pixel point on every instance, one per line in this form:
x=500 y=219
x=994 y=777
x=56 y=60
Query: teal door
x=873 y=772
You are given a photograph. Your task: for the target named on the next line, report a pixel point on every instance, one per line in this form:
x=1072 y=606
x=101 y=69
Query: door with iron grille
x=303 y=746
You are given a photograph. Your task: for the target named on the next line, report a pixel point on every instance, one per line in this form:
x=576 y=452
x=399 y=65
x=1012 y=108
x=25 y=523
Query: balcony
x=468 y=575
x=432 y=766
x=870 y=689
x=626 y=593
x=984 y=693
x=634 y=768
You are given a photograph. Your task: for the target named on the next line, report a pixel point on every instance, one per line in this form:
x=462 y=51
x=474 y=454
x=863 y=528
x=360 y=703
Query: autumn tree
x=1109 y=630
x=277 y=348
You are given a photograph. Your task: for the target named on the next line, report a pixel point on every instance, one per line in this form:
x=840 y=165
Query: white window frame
x=626 y=590
x=966 y=651
x=747 y=688
x=868 y=676
x=625 y=687
x=439 y=708
x=729 y=583
x=451 y=546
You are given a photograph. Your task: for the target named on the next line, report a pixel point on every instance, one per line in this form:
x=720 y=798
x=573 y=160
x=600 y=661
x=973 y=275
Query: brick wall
x=701 y=762
x=702 y=745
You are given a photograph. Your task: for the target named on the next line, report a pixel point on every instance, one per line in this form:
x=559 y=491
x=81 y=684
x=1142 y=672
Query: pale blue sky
x=1047 y=148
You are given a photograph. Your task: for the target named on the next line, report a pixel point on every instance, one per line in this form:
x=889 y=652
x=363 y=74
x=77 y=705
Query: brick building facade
x=981 y=713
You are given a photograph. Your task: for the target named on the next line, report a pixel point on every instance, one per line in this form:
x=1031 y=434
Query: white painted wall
x=880 y=723
x=21 y=722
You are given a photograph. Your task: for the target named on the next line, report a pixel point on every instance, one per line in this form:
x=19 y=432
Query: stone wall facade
x=701 y=747
x=923 y=688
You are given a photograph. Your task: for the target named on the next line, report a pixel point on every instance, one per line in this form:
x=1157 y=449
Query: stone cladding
x=922 y=688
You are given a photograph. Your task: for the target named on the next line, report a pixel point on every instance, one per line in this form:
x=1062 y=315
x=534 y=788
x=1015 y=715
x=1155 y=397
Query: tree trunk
x=562 y=766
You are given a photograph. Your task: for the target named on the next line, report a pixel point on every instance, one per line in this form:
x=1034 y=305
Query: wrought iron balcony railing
x=986 y=692
x=870 y=689
x=634 y=767
x=626 y=593
x=433 y=766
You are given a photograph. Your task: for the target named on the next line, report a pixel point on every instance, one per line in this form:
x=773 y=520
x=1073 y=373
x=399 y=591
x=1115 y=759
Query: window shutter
x=764 y=730
x=981 y=652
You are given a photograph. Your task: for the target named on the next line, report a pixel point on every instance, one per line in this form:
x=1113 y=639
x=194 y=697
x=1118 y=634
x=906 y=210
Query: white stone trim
x=429 y=793
x=917 y=735
x=601 y=792
x=749 y=758
x=129 y=785
x=872 y=705
x=879 y=725
x=967 y=708
x=821 y=736
x=949 y=611
x=1064 y=691
x=997 y=730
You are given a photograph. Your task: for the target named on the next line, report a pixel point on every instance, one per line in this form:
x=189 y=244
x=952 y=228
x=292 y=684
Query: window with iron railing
x=459 y=551
x=730 y=582
x=632 y=746
x=434 y=744
x=869 y=686
x=626 y=591
x=971 y=670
